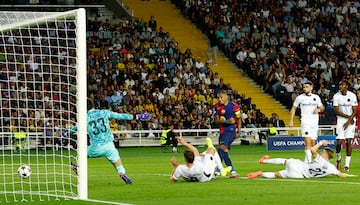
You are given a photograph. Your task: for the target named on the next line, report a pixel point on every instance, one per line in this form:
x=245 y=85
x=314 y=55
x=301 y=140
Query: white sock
x=275 y=161
x=120 y=169
x=308 y=157
x=218 y=161
x=338 y=156
x=270 y=175
x=347 y=161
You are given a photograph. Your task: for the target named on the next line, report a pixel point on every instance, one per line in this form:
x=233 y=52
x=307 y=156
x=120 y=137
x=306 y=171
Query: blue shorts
x=105 y=150
x=227 y=138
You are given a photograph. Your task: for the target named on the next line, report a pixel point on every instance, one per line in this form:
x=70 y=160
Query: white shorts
x=294 y=169
x=208 y=165
x=349 y=133
x=309 y=130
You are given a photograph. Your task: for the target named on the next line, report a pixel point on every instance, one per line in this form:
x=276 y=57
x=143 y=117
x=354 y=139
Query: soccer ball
x=24 y=171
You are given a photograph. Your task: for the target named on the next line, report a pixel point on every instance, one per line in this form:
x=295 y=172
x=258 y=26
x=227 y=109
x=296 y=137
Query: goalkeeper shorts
x=107 y=150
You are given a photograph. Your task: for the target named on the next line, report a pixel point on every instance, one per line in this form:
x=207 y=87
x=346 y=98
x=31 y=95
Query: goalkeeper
x=101 y=138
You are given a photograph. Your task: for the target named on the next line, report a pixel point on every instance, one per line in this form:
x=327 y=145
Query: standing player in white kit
x=310 y=105
x=345 y=108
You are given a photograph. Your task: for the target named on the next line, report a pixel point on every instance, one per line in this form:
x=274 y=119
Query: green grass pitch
x=149 y=168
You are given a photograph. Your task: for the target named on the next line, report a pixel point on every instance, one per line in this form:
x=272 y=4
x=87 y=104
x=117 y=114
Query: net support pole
x=82 y=104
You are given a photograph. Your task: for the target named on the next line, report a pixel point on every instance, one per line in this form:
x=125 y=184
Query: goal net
x=42 y=94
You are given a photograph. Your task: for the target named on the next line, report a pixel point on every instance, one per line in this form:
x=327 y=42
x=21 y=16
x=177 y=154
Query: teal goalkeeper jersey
x=98 y=125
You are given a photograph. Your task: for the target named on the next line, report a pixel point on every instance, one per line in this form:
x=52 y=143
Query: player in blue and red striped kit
x=228 y=116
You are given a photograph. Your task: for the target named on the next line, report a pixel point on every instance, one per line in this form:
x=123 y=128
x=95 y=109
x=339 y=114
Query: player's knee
x=278 y=175
x=224 y=148
x=211 y=150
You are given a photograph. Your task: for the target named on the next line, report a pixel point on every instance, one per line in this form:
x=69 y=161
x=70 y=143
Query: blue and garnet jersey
x=231 y=110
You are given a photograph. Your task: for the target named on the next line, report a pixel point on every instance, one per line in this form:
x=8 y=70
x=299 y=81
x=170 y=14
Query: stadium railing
x=7 y=140
x=197 y=136
x=135 y=138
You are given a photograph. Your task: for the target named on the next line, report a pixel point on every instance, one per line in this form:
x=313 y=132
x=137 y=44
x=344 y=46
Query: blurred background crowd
x=135 y=66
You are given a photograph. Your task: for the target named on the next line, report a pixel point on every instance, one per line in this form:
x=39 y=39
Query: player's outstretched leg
x=338 y=154
x=209 y=142
x=225 y=171
x=121 y=171
x=125 y=178
x=254 y=174
x=234 y=174
x=338 y=164
x=265 y=157
x=347 y=163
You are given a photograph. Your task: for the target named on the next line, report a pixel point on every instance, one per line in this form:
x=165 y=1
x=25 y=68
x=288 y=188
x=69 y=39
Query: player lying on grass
x=197 y=168
x=101 y=138
x=295 y=168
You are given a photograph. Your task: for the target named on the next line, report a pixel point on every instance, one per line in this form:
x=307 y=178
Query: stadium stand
x=138 y=65
x=170 y=19
x=300 y=40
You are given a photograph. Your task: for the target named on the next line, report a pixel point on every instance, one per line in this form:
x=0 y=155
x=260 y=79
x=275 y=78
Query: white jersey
x=196 y=173
x=308 y=106
x=345 y=104
x=319 y=167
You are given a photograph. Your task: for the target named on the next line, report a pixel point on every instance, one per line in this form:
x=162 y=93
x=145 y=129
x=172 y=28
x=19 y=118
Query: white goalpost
x=43 y=92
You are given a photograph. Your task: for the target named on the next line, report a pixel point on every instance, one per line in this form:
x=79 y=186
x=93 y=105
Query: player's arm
x=189 y=146
x=238 y=128
x=350 y=120
x=339 y=113
x=341 y=174
x=223 y=120
x=217 y=118
x=320 y=107
x=175 y=164
x=292 y=115
x=120 y=116
x=354 y=113
x=315 y=148
x=237 y=113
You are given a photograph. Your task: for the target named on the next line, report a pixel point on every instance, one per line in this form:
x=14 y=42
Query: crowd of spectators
x=37 y=80
x=46 y=2
x=282 y=44
x=135 y=66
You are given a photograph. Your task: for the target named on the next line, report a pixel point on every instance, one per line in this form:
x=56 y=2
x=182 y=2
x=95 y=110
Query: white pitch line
x=290 y=180
x=285 y=180
x=277 y=179
x=106 y=202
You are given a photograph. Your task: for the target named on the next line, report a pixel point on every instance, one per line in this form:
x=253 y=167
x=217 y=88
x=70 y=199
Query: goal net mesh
x=38 y=92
